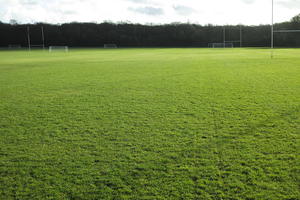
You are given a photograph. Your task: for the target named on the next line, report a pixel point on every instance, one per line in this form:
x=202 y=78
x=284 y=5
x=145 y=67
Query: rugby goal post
x=39 y=45
x=58 y=48
x=110 y=46
x=277 y=31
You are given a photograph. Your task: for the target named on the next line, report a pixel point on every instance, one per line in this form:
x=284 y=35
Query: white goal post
x=277 y=31
x=58 y=48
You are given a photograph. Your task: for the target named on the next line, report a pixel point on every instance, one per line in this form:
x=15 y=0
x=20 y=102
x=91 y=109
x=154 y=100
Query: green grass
x=150 y=124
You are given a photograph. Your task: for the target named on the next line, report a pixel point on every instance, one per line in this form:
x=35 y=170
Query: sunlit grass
x=150 y=124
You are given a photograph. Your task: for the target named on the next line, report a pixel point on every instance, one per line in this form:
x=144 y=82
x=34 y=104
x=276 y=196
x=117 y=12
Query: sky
x=217 y=12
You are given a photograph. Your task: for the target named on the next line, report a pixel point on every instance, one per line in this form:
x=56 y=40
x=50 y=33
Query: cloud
x=64 y=12
x=29 y=2
x=140 y=1
x=290 y=4
x=183 y=10
x=145 y=2
x=148 y=10
x=69 y=12
x=248 y=1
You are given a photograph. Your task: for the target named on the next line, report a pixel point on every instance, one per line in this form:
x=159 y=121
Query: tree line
x=150 y=35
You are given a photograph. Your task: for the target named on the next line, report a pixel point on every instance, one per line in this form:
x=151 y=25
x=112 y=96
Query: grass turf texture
x=150 y=124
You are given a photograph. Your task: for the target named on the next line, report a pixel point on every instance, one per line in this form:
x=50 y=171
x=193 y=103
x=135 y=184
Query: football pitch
x=209 y=124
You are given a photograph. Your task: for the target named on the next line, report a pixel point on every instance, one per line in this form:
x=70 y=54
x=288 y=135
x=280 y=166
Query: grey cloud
x=290 y=3
x=183 y=10
x=148 y=10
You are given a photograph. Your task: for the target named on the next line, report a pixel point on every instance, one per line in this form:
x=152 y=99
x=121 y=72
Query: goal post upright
x=28 y=38
x=272 y=31
x=241 y=36
x=43 y=37
x=224 y=36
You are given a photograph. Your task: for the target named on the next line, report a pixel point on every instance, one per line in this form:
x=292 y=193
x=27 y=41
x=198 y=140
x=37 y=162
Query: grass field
x=209 y=124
